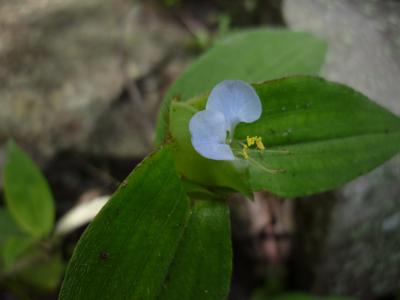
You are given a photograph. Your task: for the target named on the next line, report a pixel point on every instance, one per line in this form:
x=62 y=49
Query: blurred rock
x=362 y=250
x=361 y=253
x=364 y=42
x=64 y=64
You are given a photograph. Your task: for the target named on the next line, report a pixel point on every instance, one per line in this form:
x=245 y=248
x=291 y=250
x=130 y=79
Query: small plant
x=234 y=121
x=165 y=234
x=29 y=254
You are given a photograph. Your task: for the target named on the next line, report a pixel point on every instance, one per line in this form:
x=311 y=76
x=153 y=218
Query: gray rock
x=361 y=253
x=364 y=42
x=64 y=62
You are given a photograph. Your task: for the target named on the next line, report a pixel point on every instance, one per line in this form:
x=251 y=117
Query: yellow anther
x=259 y=143
x=251 y=140
x=252 y=143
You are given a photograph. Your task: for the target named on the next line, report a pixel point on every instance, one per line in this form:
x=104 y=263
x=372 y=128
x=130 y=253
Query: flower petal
x=237 y=100
x=208 y=125
x=213 y=150
x=208 y=129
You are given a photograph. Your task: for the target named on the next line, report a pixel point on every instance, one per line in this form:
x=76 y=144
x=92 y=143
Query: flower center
x=254 y=142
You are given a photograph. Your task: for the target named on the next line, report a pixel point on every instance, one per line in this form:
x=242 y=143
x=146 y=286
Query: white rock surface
x=361 y=255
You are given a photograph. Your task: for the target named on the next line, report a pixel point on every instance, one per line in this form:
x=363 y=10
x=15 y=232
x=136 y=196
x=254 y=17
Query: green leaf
x=326 y=134
x=8 y=226
x=27 y=193
x=251 y=55
x=13 y=241
x=127 y=250
x=148 y=242
x=318 y=135
x=45 y=274
x=203 y=262
x=13 y=249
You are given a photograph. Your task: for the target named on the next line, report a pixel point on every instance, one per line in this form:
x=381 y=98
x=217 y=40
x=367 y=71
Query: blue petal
x=237 y=100
x=213 y=150
x=208 y=129
x=208 y=125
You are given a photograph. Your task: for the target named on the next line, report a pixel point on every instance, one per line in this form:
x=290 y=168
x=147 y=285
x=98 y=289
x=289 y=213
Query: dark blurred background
x=80 y=87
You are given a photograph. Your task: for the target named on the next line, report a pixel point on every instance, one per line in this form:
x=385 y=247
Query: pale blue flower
x=230 y=102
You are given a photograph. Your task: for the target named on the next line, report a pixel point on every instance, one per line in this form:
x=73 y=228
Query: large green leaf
x=203 y=262
x=148 y=242
x=318 y=135
x=27 y=193
x=251 y=55
x=331 y=133
x=126 y=252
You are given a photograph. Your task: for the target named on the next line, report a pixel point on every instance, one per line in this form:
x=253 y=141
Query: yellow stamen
x=253 y=142
x=250 y=141
x=245 y=151
x=259 y=143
